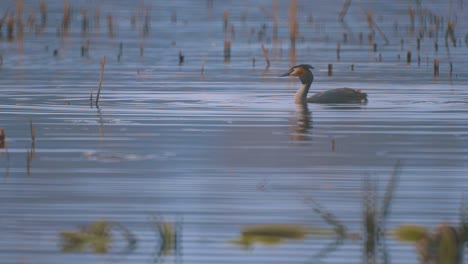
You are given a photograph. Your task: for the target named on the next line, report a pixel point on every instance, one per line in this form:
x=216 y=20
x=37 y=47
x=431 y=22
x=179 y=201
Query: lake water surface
x=212 y=146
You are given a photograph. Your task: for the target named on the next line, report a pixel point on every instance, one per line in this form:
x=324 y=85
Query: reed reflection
x=300 y=122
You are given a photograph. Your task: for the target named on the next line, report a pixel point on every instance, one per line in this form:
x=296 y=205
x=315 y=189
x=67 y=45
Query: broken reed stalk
x=265 y=54
x=330 y=69
x=408 y=57
x=346 y=5
x=103 y=64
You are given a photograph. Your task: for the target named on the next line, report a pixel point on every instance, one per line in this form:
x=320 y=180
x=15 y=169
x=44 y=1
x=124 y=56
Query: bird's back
x=339 y=96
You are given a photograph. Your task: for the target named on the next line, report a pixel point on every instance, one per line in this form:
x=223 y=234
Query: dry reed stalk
x=338 y=47
x=31 y=152
x=225 y=21
x=119 y=55
x=19 y=19
x=436 y=68
x=227 y=50
x=265 y=54
x=103 y=64
x=97 y=17
x=84 y=22
x=343 y=11
x=110 y=25
x=142 y=50
x=293 y=30
x=2 y=138
x=146 y=25
x=133 y=21
x=450 y=33
x=292 y=56
x=10 y=22
x=29 y=158
x=202 y=71
x=233 y=32
x=43 y=10
x=33 y=132
x=85 y=49
x=66 y=16
x=275 y=29
x=411 y=15
x=408 y=57
x=330 y=69
x=275 y=20
x=181 y=57
x=91 y=98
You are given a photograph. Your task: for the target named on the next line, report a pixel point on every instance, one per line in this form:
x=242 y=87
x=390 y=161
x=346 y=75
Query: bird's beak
x=284 y=74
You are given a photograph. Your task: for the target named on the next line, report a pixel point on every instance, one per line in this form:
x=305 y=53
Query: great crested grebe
x=334 y=96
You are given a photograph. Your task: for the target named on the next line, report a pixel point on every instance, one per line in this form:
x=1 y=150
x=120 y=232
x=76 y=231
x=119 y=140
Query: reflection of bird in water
x=300 y=123
x=334 y=96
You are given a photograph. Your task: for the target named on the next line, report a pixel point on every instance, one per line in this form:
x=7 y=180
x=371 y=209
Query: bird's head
x=298 y=70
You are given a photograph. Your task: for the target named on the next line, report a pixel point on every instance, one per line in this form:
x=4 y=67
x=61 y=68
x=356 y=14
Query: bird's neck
x=301 y=94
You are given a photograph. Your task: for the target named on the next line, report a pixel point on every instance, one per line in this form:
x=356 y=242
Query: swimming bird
x=334 y=96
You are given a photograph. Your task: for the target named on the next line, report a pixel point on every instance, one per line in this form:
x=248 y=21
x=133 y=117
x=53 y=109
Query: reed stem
x=265 y=54
x=103 y=64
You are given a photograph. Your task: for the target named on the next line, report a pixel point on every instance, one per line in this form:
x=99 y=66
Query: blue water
x=216 y=151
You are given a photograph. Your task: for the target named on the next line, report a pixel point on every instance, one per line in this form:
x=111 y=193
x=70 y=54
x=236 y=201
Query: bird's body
x=339 y=96
x=334 y=96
